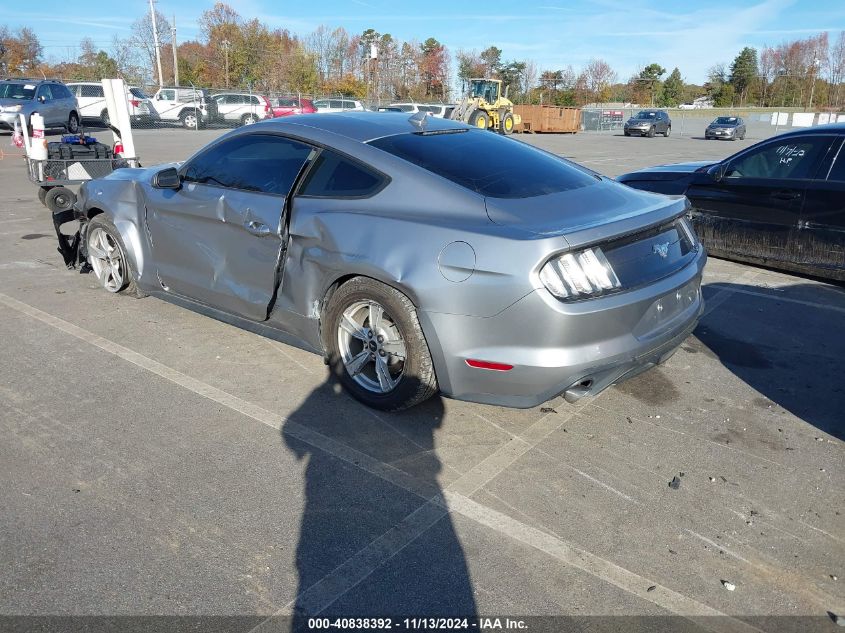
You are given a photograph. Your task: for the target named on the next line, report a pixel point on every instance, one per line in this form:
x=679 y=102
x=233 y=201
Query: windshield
x=646 y=115
x=725 y=120
x=17 y=91
x=487 y=90
x=520 y=171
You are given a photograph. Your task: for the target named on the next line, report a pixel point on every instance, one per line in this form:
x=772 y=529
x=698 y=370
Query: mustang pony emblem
x=661 y=249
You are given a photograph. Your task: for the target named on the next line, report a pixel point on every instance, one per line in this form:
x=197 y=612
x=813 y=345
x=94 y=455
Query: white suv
x=337 y=105
x=436 y=109
x=242 y=108
x=92 y=103
x=192 y=107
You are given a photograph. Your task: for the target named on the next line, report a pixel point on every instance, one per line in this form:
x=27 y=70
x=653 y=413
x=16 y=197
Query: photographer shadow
x=368 y=547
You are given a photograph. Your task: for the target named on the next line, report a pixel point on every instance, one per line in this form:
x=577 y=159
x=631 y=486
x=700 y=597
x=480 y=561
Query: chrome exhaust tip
x=577 y=391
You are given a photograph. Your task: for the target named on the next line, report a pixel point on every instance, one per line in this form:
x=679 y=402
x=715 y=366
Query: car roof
x=360 y=126
x=827 y=128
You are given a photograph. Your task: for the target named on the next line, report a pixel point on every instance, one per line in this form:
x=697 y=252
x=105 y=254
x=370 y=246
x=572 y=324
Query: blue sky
x=692 y=35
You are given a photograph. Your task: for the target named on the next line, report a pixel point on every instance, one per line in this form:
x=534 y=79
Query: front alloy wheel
x=106 y=258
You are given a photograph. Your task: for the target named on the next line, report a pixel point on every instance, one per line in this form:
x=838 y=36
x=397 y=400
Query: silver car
x=51 y=99
x=380 y=242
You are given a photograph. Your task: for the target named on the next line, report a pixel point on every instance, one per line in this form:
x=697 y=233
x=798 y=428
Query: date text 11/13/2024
x=491 y=625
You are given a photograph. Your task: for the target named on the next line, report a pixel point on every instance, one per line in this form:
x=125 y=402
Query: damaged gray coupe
x=415 y=255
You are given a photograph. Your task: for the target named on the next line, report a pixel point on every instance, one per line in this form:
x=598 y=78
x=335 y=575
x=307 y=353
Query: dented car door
x=218 y=238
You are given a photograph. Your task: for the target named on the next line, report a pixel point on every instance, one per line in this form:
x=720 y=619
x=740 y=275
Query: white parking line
x=358 y=567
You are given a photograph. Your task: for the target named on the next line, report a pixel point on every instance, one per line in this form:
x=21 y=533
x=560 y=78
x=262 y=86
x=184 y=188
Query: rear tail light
x=135 y=103
x=579 y=275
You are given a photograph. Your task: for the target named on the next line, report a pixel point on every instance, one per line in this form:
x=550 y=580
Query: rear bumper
x=553 y=346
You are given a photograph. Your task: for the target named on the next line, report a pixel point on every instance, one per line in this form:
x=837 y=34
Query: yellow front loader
x=487 y=108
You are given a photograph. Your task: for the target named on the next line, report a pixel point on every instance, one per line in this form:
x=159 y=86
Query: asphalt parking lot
x=155 y=462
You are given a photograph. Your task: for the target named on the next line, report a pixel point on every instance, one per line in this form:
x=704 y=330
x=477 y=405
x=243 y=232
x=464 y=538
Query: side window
x=254 y=100
x=406 y=108
x=250 y=162
x=167 y=95
x=91 y=91
x=335 y=104
x=787 y=158
x=75 y=90
x=44 y=91
x=319 y=104
x=337 y=177
x=60 y=91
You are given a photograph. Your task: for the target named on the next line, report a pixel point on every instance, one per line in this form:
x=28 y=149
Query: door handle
x=785 y=195
x=257 y=228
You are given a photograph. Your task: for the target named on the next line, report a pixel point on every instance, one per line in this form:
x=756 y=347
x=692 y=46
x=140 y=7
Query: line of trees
x=236 y=52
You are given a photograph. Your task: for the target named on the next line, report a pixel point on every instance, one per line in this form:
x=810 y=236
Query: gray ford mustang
x=416 y=255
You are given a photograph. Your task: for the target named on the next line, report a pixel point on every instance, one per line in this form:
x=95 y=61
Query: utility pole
x=175 y=62
x=226 y=44
x=155 y=43
x=813 y=79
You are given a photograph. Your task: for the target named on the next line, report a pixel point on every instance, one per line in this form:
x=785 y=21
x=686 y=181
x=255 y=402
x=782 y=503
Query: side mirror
x=167 y=179
x=42 y=99
x=716 y=172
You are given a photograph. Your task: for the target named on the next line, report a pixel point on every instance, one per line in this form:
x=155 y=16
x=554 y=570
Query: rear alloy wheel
x=73 y=123
x=480 y=119
x=107 y=257
x=190 y=119
x=59 y=199
x=376 y=347
x=249 y=119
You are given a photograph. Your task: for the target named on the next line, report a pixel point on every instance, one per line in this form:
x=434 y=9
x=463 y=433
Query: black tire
x=627 y=133
x=506 y=124
x=59 y=199
x=190 y=119
x=42 y=195
x=104 y=118
x=249 y=119
x=417 y=382
x=651 y=132
x=480 y=119
x=667 y=132
x=129 y=286
x=73 y=123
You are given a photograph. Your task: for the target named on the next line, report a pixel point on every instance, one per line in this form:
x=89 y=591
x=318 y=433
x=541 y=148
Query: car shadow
x=786 y=343
x=368 y=547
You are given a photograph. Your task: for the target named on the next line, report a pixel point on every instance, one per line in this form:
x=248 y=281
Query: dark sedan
x=727 y=127
x=779 y=203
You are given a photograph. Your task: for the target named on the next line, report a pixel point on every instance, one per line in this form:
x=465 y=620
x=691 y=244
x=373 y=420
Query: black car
x=780 y=203
x=729 y=127
x=649 y=123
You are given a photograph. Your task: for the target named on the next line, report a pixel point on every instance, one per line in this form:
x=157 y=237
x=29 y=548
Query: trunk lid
x=601 y=211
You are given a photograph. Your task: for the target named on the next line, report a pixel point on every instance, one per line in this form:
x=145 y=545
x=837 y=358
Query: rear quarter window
x=515 y=169
x=334 y=176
